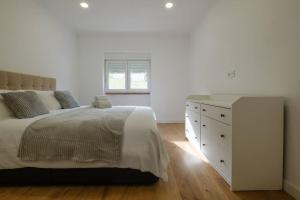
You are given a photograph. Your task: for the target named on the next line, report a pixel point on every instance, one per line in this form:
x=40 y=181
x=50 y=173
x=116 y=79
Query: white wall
x=261 y=41
x=129 y=100
x=32 y=41
x=169 y=58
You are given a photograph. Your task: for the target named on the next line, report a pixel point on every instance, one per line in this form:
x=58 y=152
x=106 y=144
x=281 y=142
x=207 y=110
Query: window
x=127 y=76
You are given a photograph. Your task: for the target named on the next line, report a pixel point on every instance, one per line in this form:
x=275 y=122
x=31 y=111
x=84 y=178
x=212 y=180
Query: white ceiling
x=129 y=15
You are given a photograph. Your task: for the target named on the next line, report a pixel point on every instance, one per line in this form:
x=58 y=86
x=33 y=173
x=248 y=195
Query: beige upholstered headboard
x=17 y=81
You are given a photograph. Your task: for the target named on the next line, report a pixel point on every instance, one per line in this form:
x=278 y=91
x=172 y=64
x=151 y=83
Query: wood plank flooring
x=190 y=178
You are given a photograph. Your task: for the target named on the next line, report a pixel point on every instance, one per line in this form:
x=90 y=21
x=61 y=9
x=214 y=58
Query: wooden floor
x=190 y=178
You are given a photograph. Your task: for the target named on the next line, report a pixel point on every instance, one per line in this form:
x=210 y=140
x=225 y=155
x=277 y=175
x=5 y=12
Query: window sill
x=127 y=93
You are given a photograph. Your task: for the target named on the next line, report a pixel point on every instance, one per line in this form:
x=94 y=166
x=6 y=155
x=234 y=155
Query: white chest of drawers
x=242 y=137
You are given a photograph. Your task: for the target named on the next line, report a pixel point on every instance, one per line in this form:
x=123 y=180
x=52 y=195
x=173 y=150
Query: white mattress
x=142 y=146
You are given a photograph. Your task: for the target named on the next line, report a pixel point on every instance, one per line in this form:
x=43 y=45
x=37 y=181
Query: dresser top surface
x=225 y=101
x=224 y=104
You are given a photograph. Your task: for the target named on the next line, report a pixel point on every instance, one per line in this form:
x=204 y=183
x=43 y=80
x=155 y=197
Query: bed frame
x=85 y=176
x=92 y=176
x=17 y=81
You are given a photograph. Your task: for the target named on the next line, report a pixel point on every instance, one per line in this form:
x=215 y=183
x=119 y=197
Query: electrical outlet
x=231 y=74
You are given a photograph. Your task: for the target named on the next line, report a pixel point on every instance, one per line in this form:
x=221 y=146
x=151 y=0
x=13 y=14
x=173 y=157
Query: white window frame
x=127 y=89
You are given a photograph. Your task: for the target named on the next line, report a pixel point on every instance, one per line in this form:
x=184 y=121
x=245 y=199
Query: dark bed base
x=93 y=176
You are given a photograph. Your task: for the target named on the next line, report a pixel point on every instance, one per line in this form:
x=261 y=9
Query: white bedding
x=142 y=146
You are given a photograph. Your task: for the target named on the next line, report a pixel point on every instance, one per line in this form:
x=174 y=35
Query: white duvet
x=142 y=145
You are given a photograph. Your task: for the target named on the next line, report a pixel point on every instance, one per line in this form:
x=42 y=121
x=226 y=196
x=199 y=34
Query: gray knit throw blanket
x=81 y=135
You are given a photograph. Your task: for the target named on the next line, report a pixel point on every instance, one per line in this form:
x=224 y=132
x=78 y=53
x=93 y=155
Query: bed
x=144 y=158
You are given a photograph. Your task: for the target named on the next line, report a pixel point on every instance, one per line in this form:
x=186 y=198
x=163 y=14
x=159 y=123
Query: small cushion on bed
x=102 y=102
x=49 y=99
x=66 y=99
x=24 y=104
x=4 y=110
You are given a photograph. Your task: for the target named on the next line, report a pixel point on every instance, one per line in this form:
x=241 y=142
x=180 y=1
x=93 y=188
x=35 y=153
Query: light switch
x=231 y=74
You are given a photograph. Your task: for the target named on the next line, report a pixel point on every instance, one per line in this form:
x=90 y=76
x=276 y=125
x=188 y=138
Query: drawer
x=208 y=148
x=189 y=112
x=193 y=106
x=222 y=134
x=192 y=123
x=192 y=130
x=216 y=139
x=222 y=162
x=221 y=114
x=224 y=166
x=208 y=141
x=189 y=133
x=195 y=143
x=219 y=133
x=195 y=121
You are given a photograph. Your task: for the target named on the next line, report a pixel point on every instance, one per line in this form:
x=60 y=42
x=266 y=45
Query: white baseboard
x=292 y=189
x=170 y=121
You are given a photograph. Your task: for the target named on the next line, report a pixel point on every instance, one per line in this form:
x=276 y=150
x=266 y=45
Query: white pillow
x=4 y=110
x=102 y=102
x=49 y=99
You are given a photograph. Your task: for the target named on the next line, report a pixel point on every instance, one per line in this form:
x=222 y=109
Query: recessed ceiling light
x=84 y=4
x=169 y=5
